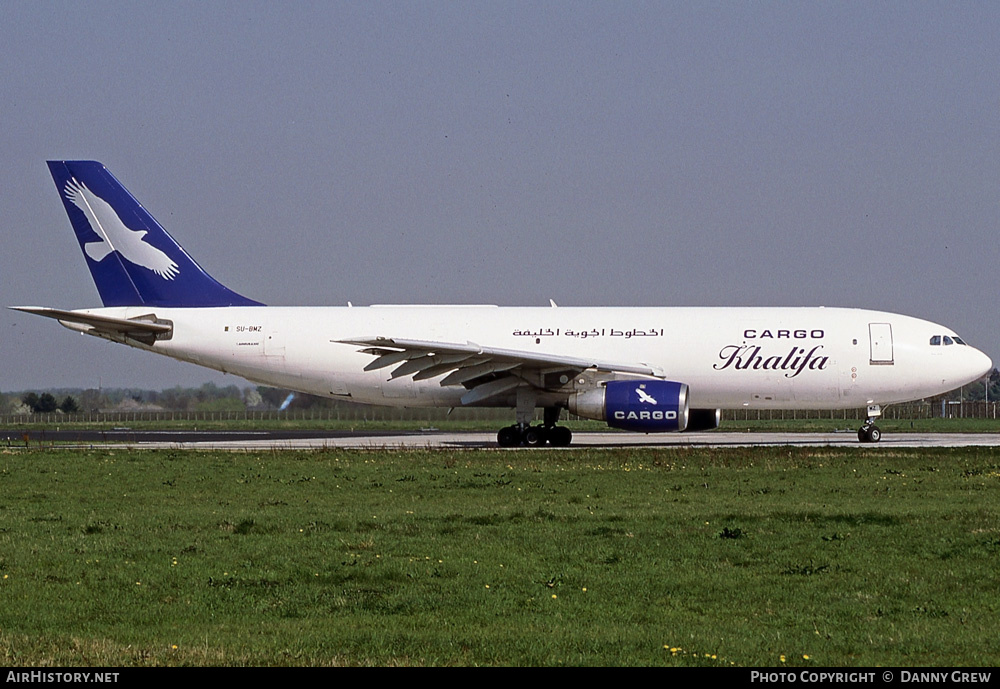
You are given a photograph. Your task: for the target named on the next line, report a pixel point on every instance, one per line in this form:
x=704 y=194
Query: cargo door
x=880 y=336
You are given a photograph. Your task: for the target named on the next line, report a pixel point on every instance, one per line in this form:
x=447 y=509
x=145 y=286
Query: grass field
x=748 y=557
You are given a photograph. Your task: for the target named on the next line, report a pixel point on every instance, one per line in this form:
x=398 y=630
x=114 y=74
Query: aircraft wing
x=487 y=371
x=145 y=329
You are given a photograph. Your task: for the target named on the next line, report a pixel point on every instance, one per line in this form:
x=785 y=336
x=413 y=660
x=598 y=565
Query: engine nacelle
x=703 y=419
x=642 y=406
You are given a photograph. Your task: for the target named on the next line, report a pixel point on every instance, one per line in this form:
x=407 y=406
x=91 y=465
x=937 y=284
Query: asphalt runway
x=433 y=439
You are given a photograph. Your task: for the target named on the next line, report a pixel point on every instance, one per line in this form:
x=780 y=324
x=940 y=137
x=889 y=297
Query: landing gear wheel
x=560 y=436
x=869 y=433
x=509 y=436
x=534 y=436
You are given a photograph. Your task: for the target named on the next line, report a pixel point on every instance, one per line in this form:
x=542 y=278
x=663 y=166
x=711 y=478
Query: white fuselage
x=816 y=358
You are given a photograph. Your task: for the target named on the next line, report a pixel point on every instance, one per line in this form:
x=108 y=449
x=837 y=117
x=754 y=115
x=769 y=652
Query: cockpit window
x=948 y=340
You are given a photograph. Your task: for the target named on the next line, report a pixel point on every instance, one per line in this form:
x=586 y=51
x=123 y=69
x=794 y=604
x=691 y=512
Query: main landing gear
x=869 y=432
x=522 y=433
x=534 y=436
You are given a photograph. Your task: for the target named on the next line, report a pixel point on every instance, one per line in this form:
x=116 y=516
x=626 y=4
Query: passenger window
x=936 y=340
x=948 y=340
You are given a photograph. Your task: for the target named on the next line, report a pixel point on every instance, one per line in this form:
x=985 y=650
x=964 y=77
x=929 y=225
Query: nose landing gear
x=869 y=432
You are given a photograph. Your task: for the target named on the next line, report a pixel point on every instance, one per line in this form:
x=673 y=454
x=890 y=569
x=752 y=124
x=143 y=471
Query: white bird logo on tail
x=114 y=235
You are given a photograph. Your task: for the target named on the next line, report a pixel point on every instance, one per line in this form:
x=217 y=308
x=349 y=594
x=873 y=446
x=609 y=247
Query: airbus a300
x=638 y=369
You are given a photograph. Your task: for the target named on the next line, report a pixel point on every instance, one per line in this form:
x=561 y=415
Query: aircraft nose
x=980 y=365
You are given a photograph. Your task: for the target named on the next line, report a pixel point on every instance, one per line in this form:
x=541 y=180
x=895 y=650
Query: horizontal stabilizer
x=144 y=328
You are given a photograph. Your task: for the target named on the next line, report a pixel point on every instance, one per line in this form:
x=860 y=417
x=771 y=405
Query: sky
x=594 y=153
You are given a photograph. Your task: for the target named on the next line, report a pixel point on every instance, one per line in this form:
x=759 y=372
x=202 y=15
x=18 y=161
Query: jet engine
x=643 y=406
x=703 y=419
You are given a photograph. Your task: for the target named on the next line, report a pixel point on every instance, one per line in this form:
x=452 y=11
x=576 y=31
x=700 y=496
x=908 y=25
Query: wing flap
x=491 y=389
x=409 y=349
x=486 y=371
x=460 y=376
x=387 y=357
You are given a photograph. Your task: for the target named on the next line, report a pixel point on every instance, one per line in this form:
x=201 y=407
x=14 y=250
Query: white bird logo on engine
x=644 y=397
x=115 y=236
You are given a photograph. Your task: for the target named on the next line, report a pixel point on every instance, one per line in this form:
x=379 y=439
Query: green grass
x=855 y=556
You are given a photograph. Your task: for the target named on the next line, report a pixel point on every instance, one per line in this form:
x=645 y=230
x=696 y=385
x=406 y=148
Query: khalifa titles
x=751 y=357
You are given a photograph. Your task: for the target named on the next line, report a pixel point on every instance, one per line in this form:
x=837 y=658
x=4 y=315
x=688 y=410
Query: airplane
x=640 y=369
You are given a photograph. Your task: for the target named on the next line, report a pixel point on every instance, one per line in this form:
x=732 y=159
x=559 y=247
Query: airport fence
x=354 y=413
x=938 y=409
x=365 y=414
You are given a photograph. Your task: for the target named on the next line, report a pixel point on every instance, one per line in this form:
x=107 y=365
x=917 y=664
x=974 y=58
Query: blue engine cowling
x=642 y=406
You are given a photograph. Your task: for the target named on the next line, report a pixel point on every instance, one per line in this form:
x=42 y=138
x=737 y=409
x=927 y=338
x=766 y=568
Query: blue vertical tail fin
x=133 y=261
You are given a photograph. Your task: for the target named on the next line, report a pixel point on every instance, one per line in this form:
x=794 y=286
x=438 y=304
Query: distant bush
x=40 y=404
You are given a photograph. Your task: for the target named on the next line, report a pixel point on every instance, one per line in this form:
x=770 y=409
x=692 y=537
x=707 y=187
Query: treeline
x=46 y=403
x=988 y=390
